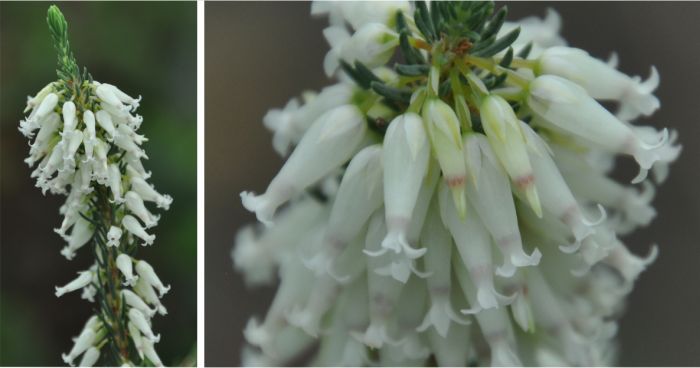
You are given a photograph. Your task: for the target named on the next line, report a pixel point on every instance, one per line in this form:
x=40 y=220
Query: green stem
x=68 y=69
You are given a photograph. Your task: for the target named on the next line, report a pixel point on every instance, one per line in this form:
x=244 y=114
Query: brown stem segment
x=112 y=309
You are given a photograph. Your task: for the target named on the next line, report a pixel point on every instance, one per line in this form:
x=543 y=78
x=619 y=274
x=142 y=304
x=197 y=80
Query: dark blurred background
x=259 y=55
x=146 y=48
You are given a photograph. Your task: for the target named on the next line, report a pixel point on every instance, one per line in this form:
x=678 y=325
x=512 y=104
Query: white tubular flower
x=135 y=204
x=331 y=141
x=445 y=135
x=147 y=273
x=293 y=291
x=84 y=279
x=290 y=123
x=452 y=210
x=148 y=193
x=136 y=337
x=406 y=154
x=81 y=234
x=359 y=195
x=125 y=265
x=104 y=119
x=373 y=45
x=150 y=352
x=149 y=295
x=494 y=323
x=114 y=236
x=474 y=246
x=359 y=13
x=136 y=302
x=384 y=291
x=542 y=33
x=503 y=130
x=556 y=195
x=491 y=196
x=143 y=324
x=567 y=107
x=90 y=357
x=69 y=120
x=83 y=342
x=47 y=105
x=437 y=262
x=258 y=256
x=106 y=93
x=602 y=81
x=115 y=183
x=121 y=96
x=133 y=225
x=322 y=298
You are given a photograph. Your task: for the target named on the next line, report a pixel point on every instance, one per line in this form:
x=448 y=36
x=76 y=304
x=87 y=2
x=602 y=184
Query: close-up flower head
x=451 y=198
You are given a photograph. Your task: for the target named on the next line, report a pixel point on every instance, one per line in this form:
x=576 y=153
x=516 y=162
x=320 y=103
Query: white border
x=200 y=183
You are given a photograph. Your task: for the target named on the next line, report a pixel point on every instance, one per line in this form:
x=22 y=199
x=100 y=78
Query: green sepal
x=499 y=45
x=400 y=95
x=413 y=70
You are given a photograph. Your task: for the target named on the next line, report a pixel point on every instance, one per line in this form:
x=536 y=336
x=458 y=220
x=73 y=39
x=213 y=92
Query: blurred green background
x=145 y=48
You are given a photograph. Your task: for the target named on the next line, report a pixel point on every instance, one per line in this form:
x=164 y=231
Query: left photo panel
x=98 y=184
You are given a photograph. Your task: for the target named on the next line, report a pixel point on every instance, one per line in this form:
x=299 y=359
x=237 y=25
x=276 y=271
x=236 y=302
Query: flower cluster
x=85 y=147
x=457 y=207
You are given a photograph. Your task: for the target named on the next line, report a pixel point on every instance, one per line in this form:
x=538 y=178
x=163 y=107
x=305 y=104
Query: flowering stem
x=112 y=311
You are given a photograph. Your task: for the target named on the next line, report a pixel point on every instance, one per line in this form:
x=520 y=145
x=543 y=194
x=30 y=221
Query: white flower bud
x=133 y=225
x=69 y=118
x=143 y=324
x=331 y=141
x=125 y=265
x=84 y=279
x=47 y=105
x=503 y=131
x=34 y=102
x=147 y=273
x=444 y=132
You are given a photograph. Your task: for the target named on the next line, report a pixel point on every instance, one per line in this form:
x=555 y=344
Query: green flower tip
x=56 y=20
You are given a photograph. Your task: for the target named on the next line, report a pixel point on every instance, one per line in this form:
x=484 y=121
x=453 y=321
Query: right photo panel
x=451 y=184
